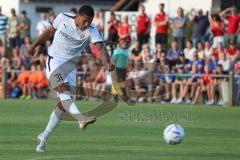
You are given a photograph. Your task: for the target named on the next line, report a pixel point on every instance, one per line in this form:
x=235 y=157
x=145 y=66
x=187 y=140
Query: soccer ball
x=173 y=134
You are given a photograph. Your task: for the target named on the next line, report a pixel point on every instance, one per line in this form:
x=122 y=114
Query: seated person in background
x=147 y=57
x=42 y=82
x=205 y=86
x=33 y=80
x=196 y=60
x=178 y=84
x=190 y=85
x=213 y=62
x=23 y=81
x=136 y=56
x=188 y=51
x=173 y=53
x=217 y=84
x=226 y=63
x=232 y=51
x=200 y=50
x=207 y=50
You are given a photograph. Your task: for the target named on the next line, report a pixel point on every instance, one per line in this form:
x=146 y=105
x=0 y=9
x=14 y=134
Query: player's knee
x=60 y=107
x=65 y=96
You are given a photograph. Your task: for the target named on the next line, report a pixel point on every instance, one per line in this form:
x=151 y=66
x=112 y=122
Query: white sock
x=69 y=105
x=54 y=120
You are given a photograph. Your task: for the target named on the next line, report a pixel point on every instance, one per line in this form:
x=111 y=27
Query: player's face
x=83 y=21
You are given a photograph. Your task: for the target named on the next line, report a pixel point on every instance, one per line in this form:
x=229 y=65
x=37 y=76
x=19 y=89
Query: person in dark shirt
x=200 y=26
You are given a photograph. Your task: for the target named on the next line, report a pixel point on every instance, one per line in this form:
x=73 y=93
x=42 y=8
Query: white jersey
x=69 y=40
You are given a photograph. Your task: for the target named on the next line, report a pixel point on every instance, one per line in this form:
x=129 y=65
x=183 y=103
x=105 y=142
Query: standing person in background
x=125 y=30
x=24 y=26
x=217 y=29
x=113 y=24
x=43 y=24
x=98 y=20
x=3 y=26
x=161 y=23
x=143 y=26
x=233 y=19
x=13 y=32
x=200 y=26
x=178 y=25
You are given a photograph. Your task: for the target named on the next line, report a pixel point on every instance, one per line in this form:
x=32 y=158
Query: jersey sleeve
x=57 y=21
x=95 y=35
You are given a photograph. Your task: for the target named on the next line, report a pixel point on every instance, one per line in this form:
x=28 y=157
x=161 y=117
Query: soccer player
x=71 y=33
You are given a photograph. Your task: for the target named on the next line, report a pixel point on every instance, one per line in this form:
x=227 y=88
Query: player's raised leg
x=69 y=106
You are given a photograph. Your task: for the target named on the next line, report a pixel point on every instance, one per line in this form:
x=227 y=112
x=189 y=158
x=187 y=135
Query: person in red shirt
x=113 y=24
x=143 y=26
x=161 y=23
x=205 y=86
x=124 y=30
x=230 y=14
x=217 y=29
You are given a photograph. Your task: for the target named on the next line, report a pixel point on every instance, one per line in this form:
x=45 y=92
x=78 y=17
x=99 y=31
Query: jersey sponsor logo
x=71 y=39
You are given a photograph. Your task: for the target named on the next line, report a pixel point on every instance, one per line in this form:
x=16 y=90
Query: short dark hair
x=86 y=10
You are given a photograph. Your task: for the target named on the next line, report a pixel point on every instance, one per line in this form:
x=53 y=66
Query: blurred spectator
x=212 y=63
x=43 y=24
x=3 y=50
x=24 y=26
x=232 y=51
x=179 y=85
x=188 y=52
x=113 y=24
x=147 y=57
x=13 y=31
x=217 y=29
x=173 y=53
x=161 y=23
x=25 y=46
x=205 y=86
x=179 y=25
x=196 y=60
x=98 y=20
x=136 y=56
x=23 y=81
x=51 y=16
x=200 y=49
x=226 y=63
x=16 y=59
x=124 y=30
x=73 y=11
x=143 y=26
x=207 y=50
x=200 y=26
x=3 y=26
x=233 y=20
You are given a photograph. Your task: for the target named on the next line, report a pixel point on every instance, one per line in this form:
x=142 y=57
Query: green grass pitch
x=212 y=133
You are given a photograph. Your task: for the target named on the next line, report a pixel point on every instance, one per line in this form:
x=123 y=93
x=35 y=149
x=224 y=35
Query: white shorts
x=61 y=71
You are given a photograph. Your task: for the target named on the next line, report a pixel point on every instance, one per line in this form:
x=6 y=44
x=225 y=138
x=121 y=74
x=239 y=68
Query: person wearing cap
x=161 y=23
x=200 y=26
x=143 y=26
x=233 y=19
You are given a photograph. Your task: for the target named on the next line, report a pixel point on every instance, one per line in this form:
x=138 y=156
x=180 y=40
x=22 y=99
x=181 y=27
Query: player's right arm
x=46 y=35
